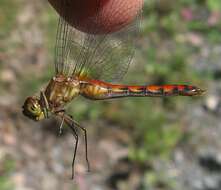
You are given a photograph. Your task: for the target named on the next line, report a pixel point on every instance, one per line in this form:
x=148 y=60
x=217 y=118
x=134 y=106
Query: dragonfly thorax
x=61 y=90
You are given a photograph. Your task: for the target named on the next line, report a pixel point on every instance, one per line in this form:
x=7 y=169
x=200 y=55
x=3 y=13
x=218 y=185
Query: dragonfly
x=89 y=65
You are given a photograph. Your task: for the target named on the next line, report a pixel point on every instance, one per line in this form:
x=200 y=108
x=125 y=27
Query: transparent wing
x=105 y=57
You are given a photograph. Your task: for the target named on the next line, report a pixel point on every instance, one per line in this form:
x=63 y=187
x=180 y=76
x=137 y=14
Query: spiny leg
x=61 y=113
x=85 y=138
x=71 y=122
x=86 y=149
x=61 y=126
x=74 y=132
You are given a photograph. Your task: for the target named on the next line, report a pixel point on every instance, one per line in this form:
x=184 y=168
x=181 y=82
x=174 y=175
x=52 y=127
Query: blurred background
x=134 y=143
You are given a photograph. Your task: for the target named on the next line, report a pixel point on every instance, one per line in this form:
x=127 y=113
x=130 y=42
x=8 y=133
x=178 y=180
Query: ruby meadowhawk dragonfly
x=85 y=65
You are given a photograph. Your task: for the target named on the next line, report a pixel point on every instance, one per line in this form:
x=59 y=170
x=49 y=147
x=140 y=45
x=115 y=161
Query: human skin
x=98 y=16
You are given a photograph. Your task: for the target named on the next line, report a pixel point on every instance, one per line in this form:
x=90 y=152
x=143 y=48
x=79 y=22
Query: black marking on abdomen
x=123 y=88
x=175 y=90
x=186 y=88
x=161 y=91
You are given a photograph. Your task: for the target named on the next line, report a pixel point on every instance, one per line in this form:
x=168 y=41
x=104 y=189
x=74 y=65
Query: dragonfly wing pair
x=102 y=57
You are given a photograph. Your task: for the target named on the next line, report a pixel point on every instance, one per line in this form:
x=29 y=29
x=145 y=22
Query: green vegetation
x=8 y=10
x=7 y=22
x=7 y=166
x=49 y=23
x=213 y=5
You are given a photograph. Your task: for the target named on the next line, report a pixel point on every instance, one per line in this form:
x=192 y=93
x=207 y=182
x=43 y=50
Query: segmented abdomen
x=99 y=90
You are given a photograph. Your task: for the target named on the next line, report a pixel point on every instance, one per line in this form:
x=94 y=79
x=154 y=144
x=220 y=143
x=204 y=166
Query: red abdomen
x=98 y=90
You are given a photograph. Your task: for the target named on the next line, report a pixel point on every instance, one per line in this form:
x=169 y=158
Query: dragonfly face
x=33 y=109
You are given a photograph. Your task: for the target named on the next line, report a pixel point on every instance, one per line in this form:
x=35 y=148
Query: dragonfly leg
x=44 y=103
x=61 y=113
x=72 y=123
x=74 y=132
x=85 y=138
x=86 y=149
x=61 y=127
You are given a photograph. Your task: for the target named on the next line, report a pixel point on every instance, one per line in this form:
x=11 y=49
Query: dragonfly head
x=32 y=109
